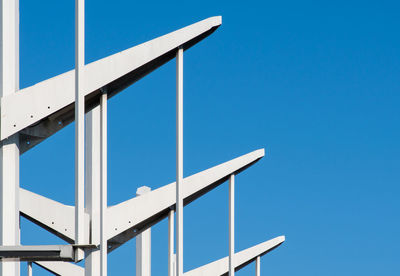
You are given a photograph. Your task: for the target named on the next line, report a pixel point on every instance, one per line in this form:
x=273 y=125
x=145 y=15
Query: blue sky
x=315 y=83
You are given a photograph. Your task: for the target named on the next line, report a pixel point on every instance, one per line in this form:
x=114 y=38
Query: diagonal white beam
x=123 y=220
x=51 y=215
x=62 y=268
x=217 y=268
x=155 y=206
x=47 y=106
x=241 y=259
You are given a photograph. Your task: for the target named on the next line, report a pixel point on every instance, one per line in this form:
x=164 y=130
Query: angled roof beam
x=124 y=221
x=217 y=268
x=241 y=259
x=48 y=106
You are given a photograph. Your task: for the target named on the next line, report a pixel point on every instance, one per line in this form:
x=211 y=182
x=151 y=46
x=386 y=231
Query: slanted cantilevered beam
x=123 y=220
x=51 y=215
x=48 y=106
x=217 y=268
x=241 y=259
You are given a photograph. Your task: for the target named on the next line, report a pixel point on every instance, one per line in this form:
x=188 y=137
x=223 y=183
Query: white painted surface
x=231 y=225
x=79 y=125
x=171 y=242
x=30 y=272
x=92 y=190
x=179 y=162
x=103 y=186
x=124 y=216
x=143 y=245
x=9 y=151
x=258 y=266
x=221 y=266
x=44 y=98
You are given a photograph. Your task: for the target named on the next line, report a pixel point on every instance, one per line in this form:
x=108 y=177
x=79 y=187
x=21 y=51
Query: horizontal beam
x=38 y=252
x=48 y=106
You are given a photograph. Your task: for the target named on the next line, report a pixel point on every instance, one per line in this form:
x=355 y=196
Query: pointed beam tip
x=217 y=19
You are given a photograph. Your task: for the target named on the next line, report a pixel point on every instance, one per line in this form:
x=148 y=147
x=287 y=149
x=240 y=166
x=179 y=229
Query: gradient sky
x=315 y=83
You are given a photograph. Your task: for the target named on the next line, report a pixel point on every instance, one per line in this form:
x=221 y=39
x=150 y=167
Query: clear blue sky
x=316 y=83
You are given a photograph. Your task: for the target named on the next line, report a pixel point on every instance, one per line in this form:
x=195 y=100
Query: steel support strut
x=231 y=225
x=92 y=189
x=171 y=256
x=79 y=126
x=143 y=245
x=103 y=184
x=179 y=162
x=258 y=266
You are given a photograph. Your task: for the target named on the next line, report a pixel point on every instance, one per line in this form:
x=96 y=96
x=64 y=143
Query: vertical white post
x=179 y=161
x=92 y=189
x=103 y=189
x=9 y=151
x=258 y=266
x=79 y=125
x=171 y=257
x=30 y=272
x=143 y=245
x=231 y=224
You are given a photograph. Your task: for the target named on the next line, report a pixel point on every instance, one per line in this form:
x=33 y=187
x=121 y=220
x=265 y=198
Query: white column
x=103 y=184
x=171 y=255
x=143 y=245
x=30 y=272
x=231 y=224
x=9 y=151
x=92 y=189
x=258 y=266
x=179 y=162
x=79 y=125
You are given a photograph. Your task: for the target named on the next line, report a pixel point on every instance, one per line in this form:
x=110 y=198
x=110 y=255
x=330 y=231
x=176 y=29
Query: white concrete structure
x=91 y=228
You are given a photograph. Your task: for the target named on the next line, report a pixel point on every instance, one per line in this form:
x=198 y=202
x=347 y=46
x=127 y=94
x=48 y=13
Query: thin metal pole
x=92 y=188
x=30 y=272
x=258 y=266
x=231 y=224
x=79 y=125
x=143 y=245
x=9 y=148
x=179 y=161
x=171 y=243
x=103 y=188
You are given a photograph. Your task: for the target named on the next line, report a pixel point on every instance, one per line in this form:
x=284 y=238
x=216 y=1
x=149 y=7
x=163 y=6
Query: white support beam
x=242 y=258
x=92 y=189
x=103 y=185
x=179 y=161
x=143 y=245
x=30 y=272
x=122 y=218
x=62 y=268
x=216 y=268
x=171 y=239
x=79 y=126
x=9 y=151
x=45 y=106
x=258 y=266
x=231 y=224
